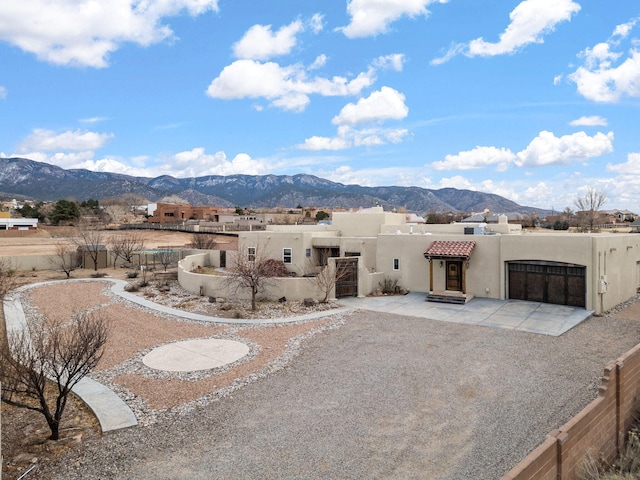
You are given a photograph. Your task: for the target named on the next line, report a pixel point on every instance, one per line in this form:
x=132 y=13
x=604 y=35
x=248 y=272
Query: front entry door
x=454 y=276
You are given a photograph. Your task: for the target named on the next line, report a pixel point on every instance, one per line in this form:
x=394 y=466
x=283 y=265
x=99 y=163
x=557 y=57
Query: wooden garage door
x=557 y=283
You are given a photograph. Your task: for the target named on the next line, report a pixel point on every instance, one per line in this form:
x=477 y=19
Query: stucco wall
x=365 y=224
x=297 y=288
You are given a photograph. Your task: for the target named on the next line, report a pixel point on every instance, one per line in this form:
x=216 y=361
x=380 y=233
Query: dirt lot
x=43 y=241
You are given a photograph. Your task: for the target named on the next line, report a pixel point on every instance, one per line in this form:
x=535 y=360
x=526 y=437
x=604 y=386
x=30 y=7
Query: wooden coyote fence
x=599 y=430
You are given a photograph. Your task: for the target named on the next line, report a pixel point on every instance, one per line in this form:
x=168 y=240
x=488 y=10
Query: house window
x=287 y=253
x=168 y=214
x=251 y=254
x=308 y=252
x=396 y=264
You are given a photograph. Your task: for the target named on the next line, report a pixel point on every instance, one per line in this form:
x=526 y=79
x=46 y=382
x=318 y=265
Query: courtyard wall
x=599 y=431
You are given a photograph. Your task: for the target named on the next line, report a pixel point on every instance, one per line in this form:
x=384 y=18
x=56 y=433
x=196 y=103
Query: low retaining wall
x=295 y=288
x=599 y=430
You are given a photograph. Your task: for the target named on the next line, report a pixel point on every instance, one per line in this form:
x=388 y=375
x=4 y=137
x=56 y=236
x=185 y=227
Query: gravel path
x=383 y=396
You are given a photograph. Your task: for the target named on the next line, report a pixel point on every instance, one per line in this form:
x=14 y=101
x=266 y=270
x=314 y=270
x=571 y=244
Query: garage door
x=548 y=282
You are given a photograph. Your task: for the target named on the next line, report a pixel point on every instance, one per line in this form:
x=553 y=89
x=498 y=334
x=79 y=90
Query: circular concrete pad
x=192 y=355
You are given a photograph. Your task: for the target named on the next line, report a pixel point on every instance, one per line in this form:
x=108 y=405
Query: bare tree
x=326 y=279
x=203 y=241
x=41 y=365
x=589 y=205
x=253 y=271
x=65 y=258
x=123 y=245
x=115 y=212
x=166 y=257
x=7 y=277
x=91 y=242
x=134 y=201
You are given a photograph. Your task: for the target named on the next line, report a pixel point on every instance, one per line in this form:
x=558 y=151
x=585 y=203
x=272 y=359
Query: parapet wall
x=599 y=430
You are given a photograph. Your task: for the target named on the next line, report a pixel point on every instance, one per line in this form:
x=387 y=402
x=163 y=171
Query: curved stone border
x=110 y=410
x=118 y=289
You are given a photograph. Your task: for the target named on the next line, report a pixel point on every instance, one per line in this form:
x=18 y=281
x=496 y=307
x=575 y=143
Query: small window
x=396 y=264
x=251 y=254
x=287 y=253
x=308 y=252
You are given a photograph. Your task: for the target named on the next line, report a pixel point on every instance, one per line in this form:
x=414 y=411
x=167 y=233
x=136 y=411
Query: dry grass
x=626 y=467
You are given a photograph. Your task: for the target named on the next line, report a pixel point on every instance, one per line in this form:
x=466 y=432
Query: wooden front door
x=346 y=277
x=454 y=276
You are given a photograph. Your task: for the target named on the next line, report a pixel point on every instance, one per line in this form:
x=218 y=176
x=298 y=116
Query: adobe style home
x=174 y=212
x=459 y=261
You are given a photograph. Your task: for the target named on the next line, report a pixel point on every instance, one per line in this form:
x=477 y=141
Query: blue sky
x=534 y=100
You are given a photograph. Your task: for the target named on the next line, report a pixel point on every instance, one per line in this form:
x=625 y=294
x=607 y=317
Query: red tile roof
x=450 y=249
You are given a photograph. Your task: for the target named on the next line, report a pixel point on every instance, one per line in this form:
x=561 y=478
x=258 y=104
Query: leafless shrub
x=41 y=364
x=253 y=271
x=64 y=259
x=203 y=241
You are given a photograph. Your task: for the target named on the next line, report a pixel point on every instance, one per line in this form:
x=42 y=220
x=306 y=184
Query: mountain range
x=23 y=178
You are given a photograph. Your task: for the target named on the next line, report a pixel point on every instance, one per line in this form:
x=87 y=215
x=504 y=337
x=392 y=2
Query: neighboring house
x=173 y=212
x=487 y=217
x=463 y=260
x=618 y=216
x=7 y=223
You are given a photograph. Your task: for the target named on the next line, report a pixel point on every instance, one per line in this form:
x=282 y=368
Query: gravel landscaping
x=373 y=395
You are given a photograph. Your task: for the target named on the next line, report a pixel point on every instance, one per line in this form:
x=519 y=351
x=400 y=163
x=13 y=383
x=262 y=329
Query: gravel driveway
x=381 y=397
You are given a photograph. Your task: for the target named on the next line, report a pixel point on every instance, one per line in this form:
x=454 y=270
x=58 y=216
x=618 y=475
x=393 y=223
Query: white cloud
x=624 y=29
x=607 y=75
x=479 y=157
x=93 y=119
x=48 y=140
x=3 y=92
x=401 y=176
x=372 y=17
x=394 y=61
x=319 y=62
x=316 y=23
x=196 y=162
x=606 y=83
x=630 y=167
x=381 y=106
x=384 y=104
x=325 y=143
x=286 y=87
x=85 y=32
x=547 y=149
x=590 y=121
x=348 y=137
x=530 y=20
x=191 y=163
x=260 y=43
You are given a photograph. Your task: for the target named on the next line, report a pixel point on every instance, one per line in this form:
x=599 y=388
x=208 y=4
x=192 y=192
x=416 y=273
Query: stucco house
x=463 y=260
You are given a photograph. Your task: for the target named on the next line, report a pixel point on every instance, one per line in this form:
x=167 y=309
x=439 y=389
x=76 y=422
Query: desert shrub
x=389 y=285
x=133 y=274
x=274 y=268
